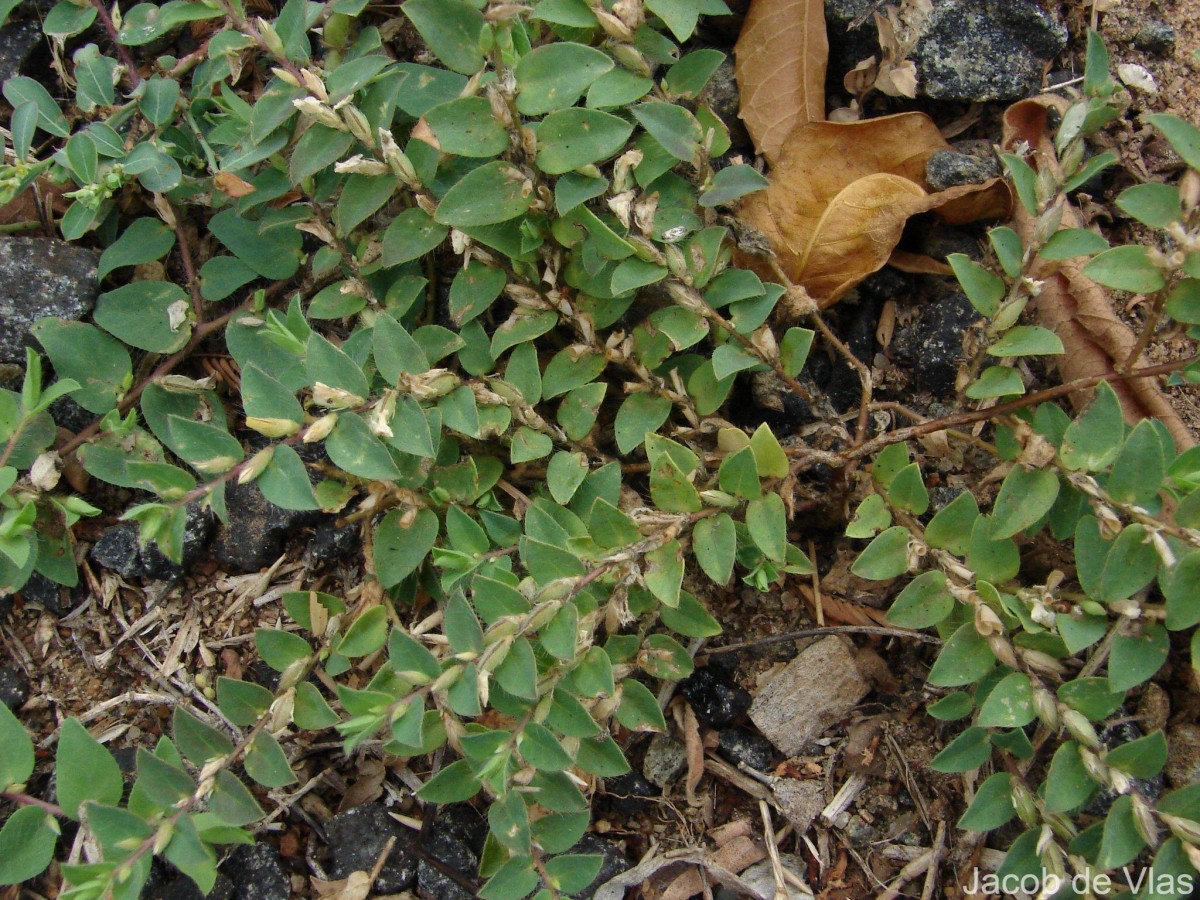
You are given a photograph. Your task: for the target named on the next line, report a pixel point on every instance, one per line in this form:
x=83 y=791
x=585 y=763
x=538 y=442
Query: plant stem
x=26 y=800
x=131 y=71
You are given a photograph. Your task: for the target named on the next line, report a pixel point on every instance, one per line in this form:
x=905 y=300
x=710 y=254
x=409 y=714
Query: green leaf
x=871 y=517
x=1139 y=470
x=996 y=381
x=474 y=289
x=992 y=560
x=16 y=750
x=690 y=618
x=924 y=602
x=686 y=79
x=952 y=707
x=455 y=783
x=766 y=519
x=279 y=649
x=242 y=702
x=159 y=100
x=1156 y=205
x=85 y=770
x=794 y=348
x=1127 y=269
x=1026 y=340
x=968 y=751
x=266 y=763
x=494 y=192
x=641 y=414
x=572 y=138
x=542 y=750
x=1141 y=758
x=1121 y=840
x=672 y=126
x=411 y=660
x=353 y=448
x=633 y=273
x=1181 y=588
x=149 y=315
x=23 y=89
x=1007 y=245
x=1072 y=242
x=663 y=574
x=164 y=783
x=366 y=634
x=197 y=741
x=509 y=821
x=1009 y=704
x=885 y=557
x=232 y=802
x=1137 y=657
x=714 y=543
x=311 y=712
x=451 y=29
x=517 y=674
x=27 y=843
x=1068 y=786
x=362 y=196
x=678 y=15
x=400 y=550
x=983 y=289
x=1183 y=137
x=907 y=490
x=1094 y=439
x=732 y=183
x=467 y=127
x=564 y=474
x=86 y=355
x=965 y=658
x=1025 y=497
x=992 y=806
x=1090 y=696
x=143 y=241
x=553 y=76
x=411 y=235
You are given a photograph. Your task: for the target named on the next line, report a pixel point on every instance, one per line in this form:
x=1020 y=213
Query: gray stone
x=120 y=550
x=452 y=853
x=930 y=347
x=356 y=841
x=986 y=49
x=760 y=878
x=14 y=688
x=814 y=691
x=257 y=529
x=665 y=760
x=949 y=168
x=800 y=801
x=613 y=864
x=18 y=42
x=1183 y=755
x=745 y=747
x=333 y=544
x=1155 y=36
x=41 y=277
x=256 y=873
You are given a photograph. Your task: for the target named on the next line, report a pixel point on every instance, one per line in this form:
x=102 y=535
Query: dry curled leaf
x=842 y=193
x=1076 y=308
x=781 y=56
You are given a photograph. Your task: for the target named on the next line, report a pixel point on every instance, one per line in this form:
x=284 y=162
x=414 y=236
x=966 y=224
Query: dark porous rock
x=614 y=863
x=1123 y=731
x=627 y=794
x=333 y=544
x=41 y=277
x=949 y=168
x=256 y=873
x=18 y=43
x=714 y=698
x=452 y=854
x=886 y=284
x=465 y=823
x=257 y=529
x=849 y=46
x=14 y=688
x=741 y=746
x=168 y=883
x=1155 y=36
x=986 y=49
x=930 y=347
x=47 y=594
x=120 y=549
x=844 y=388
x=356 y=841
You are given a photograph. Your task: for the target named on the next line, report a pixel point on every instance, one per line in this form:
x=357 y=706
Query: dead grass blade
x=781 y=56
x=1077 y=309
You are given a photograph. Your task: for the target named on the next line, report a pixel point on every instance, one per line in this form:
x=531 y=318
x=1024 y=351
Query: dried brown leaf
x=842 y=193
x=1076 y=308
x=781 y=56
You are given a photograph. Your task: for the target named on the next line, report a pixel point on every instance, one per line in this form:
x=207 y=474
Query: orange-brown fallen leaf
x=781 y=56
x=842 y=192
x=1077 y=309
x=735 y=856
